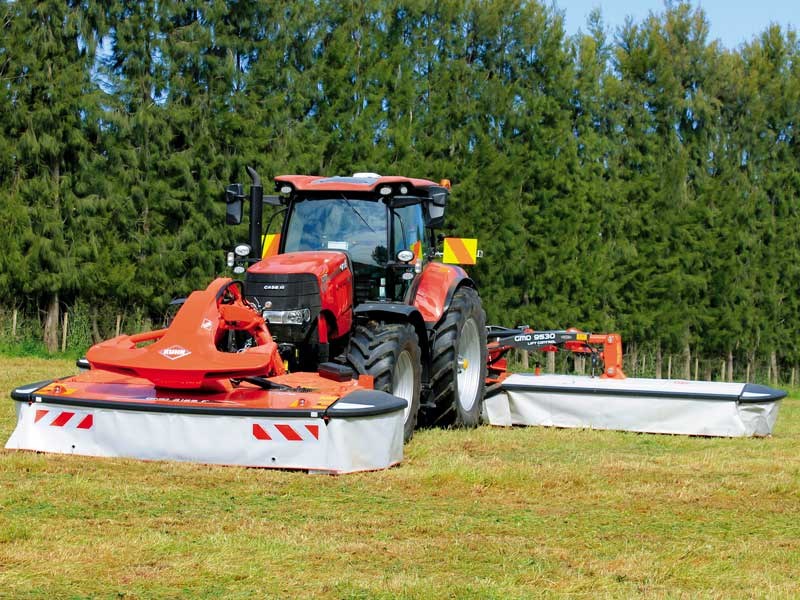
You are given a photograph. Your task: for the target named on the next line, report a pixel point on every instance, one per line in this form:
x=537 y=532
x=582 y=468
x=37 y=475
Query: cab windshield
x=358 y=227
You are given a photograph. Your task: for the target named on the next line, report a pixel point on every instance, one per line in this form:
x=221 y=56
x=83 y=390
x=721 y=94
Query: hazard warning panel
x=270 y=243
x=460 y=251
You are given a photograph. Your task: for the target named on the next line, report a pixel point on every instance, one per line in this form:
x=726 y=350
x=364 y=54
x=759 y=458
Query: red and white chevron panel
x=63 y=418
x=267 y=431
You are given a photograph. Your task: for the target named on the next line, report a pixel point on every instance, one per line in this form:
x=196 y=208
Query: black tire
x=464 y=325
x=380 y=350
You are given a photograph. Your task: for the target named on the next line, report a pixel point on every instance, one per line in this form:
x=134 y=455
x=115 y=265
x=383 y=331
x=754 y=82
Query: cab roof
x=360 y=182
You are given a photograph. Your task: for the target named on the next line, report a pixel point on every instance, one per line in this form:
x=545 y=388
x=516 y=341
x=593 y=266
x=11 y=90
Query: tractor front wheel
x=390 y=353
x=458 y=371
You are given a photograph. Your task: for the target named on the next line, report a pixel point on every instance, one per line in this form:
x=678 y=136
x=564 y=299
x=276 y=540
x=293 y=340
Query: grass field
x=488 y=513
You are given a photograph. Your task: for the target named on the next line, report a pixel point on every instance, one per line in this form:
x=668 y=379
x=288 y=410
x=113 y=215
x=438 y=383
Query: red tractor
x=350 y=279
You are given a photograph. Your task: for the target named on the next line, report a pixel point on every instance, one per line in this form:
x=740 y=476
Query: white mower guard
x=361 y=432
x=639 y=405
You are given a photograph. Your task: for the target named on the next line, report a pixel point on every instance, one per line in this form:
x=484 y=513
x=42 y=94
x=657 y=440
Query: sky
x=733 y=22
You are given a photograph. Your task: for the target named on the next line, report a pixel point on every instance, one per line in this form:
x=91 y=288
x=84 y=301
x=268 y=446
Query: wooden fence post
x=64 y=332
x=14 y=324
x=659 y=362
x=775 y=376
x=687 y=361
x=730 y=366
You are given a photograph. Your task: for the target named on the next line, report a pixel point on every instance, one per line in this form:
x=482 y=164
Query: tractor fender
x=398 y=313
x=433 y=291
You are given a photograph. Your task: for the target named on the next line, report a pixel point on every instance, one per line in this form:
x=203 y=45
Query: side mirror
x=436 y=210
x=273 y=200
x=234 y=199
x=439 y=198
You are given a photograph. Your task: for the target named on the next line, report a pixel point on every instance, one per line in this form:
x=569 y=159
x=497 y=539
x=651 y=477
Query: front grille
x=364 y=289
x=285 y=292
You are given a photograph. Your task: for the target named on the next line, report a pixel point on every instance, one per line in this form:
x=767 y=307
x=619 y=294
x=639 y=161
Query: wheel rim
x=468 y=365
x=403 y=381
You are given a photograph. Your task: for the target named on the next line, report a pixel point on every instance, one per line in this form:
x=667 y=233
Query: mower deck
x=640 y=405
x=303 y=421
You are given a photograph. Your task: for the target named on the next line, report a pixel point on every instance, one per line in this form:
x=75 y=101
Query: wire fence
x=649 y=363
x=81 y=326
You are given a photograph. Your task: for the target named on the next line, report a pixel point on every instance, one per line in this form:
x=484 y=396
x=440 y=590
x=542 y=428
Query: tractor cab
x=383 y=224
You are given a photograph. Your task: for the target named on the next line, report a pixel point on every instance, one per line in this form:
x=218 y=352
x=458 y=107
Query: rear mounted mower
x=613 y=401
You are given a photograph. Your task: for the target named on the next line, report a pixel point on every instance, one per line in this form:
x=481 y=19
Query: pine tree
x=50 y=54
x=14 y=223
x=769 y=159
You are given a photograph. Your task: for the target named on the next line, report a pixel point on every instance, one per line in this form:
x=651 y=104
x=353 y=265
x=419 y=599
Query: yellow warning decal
x=323 y=401
x=460 y=251
x=582 y=337
x=270 y=243
x=58 y=389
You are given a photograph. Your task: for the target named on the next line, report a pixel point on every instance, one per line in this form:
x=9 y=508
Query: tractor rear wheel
x=390 y=353
x=458 y=371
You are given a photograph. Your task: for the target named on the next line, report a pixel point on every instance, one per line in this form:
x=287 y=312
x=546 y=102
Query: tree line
x=643 y=180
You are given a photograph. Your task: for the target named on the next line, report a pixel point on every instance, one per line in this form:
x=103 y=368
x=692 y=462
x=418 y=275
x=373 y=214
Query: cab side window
x=409 y=229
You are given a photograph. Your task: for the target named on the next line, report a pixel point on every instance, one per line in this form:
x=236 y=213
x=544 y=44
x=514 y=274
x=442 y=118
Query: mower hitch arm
x=502 y=339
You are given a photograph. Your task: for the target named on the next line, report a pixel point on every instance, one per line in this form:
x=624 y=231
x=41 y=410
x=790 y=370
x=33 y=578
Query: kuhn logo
x=174 y=352
x=274 y=287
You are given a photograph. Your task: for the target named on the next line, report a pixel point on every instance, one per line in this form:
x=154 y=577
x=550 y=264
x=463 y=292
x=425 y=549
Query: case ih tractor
x=350 y=280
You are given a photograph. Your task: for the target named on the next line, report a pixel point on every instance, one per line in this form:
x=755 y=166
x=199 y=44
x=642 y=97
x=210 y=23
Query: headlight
x=287 y=317
x=298 y=317
x=405 y=256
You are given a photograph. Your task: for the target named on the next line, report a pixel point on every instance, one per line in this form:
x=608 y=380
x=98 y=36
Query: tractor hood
x=292 y=290
x=321 y=263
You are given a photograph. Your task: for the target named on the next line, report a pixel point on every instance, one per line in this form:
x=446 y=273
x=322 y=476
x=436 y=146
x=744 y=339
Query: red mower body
x=187 y=355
